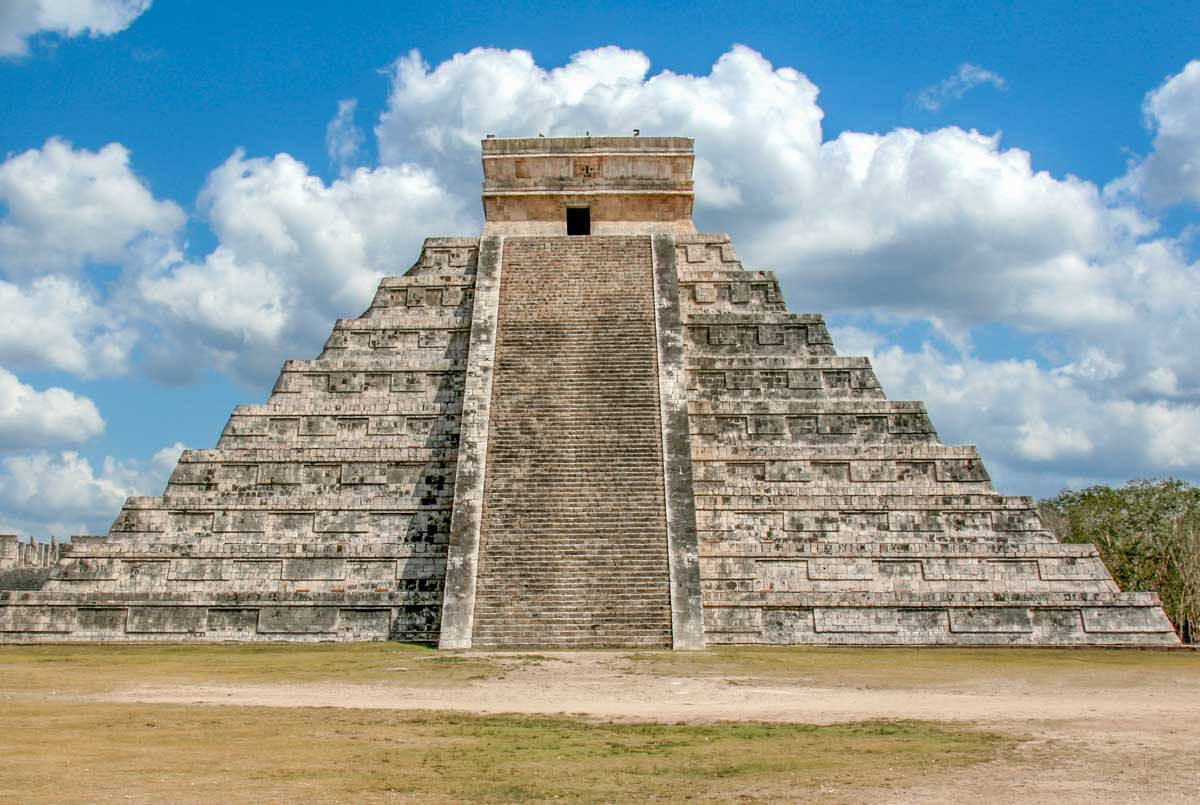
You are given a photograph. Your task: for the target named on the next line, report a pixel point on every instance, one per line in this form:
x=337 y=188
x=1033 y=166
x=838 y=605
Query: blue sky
x=998 y=203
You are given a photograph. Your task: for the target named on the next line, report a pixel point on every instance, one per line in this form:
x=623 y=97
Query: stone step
x=573 y=543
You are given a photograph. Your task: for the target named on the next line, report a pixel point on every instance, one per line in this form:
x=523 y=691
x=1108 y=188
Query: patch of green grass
x=91 y=668
x=65 y=751
x=907 y=668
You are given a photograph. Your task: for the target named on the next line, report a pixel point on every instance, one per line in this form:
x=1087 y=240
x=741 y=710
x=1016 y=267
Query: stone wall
x=321 y=514
x=630 y=185
x=828 y=514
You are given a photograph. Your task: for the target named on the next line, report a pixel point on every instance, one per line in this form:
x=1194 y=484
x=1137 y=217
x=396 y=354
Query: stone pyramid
x=589 y=426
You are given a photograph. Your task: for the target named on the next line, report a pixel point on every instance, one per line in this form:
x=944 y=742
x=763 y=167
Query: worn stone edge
x=687 y=611
x=462 y=560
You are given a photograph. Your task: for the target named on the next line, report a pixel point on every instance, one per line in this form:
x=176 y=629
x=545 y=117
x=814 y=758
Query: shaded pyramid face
x=613 y=437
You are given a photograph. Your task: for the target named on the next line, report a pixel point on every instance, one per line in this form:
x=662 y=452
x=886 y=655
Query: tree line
x=1147 y=533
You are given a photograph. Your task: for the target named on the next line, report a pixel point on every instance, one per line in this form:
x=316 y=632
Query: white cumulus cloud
x=32 y=418
x=60 y=323
x=67 y=206
x=20 y=19
x=1171 y=173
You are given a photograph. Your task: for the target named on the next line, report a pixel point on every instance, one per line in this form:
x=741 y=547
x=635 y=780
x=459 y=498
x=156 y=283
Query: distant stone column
x=10 y=551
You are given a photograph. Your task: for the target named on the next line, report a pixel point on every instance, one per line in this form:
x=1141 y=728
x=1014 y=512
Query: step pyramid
x=613 y=437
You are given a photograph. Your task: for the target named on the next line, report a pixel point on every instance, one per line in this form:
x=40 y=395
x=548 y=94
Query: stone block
x=919 y=521
x=733 y=619
x=872 y=620
x=297 y=620
x=1006 y=620
x=831 y=471
x=932 y=623
x=278 y=474
x=340 y=522
x=787 y=626
x=960 y=522
x=149 y=574
x=1071 y=568
x=915 y=471
x=364 y=624
x=415 y=624
x=1110 y=620
x=321 y=474
x=841 y=568
x=266 y=570
x=314 y=569
x=290 y=523
x=364 y=473
x=371 y=570
x=238 y=520
x=99 y=623
x=167 y=620
x=756 y=525
x=806 y=520
x=44 y=619
x=1063 y=625
x=230 y=623
x=386 y=425
x=955 y=569
x=318 y=426
x=197 y=569
x=189 y=522
x=778 y=576
x=85 y=569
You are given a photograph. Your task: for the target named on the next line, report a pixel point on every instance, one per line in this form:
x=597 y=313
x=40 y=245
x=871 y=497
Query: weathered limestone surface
x=574 y=543
x=829 y=514
x=630 y=185
x=462 y=563
x=622 y=438
x=322 y=514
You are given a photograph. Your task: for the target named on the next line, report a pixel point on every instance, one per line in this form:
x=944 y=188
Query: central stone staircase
x=574 y=542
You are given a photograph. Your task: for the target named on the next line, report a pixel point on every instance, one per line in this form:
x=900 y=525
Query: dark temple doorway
x=579 y=221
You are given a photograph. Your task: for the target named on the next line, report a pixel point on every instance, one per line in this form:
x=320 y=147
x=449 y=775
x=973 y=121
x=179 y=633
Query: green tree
x=1147 y=532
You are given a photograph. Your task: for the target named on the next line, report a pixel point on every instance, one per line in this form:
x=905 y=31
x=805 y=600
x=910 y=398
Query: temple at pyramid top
x=587 y=185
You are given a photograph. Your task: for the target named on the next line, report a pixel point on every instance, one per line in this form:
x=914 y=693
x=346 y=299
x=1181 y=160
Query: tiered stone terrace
x=322 y=514
x=829 y=514
x=614 y=439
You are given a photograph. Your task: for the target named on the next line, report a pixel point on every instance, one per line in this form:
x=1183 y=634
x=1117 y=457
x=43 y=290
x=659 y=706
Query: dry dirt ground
x=1086 y=725
x=1116 y=726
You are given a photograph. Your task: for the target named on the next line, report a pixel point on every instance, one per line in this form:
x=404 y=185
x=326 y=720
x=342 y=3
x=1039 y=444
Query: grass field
x=91 y=668
x=71 y=751
x=65 y=736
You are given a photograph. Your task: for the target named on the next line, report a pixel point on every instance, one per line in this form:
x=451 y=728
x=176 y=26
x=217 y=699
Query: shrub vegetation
x=1147 y=532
